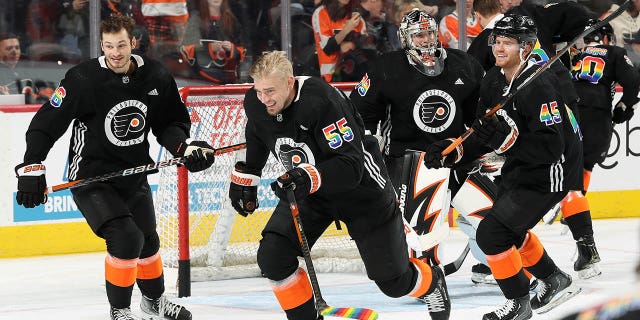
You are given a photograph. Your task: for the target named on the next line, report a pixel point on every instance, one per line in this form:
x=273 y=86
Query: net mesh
x=222 y=243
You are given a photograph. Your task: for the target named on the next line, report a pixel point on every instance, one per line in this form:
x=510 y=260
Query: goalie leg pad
x=424 y=199
x=474 y=198
x=466 y=227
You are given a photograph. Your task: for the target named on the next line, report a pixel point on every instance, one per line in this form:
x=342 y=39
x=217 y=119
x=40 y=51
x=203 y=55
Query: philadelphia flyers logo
x=434 y=111
x=291 y=154
x=125 y=123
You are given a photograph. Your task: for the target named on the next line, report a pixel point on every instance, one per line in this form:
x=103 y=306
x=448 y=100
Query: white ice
x=72 y=286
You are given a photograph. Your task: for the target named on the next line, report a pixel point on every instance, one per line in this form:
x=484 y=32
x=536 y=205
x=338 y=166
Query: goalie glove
x=433 y=158
x=243 y=190
x=199 y=155
x=622 y=113
x=32 y=184
x=304 y=179
x=495 y=132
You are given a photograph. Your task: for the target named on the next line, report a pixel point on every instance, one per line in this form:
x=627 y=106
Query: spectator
x=166 y=21
x=400 y=8
x=222 y=43
x=632 y=45
x=448 y=31
x=627 y=22
x=73 y=29
x=336 y=27
x=377 y=27
x=12 y=80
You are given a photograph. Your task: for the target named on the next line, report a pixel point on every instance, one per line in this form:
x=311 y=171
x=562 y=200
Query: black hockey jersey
x=595 y=72
x=547 y=154
x=420 y=109
x=480 y=49
x=322 y=128
x=112 y=115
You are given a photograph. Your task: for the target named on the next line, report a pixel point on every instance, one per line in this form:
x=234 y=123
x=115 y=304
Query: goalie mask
x=598 y=34
x=418 y=35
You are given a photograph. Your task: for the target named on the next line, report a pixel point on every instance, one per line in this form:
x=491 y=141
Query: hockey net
x=221 y=243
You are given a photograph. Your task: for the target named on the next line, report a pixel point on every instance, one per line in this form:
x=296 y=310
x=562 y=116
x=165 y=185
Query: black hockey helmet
x=598 y=34
x=516 y=26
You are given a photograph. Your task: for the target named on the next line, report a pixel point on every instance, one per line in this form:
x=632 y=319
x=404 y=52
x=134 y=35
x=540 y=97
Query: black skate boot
x=437 y=297
x=552 y=291
x=587 y=263
x=514 y=309
x=122 y=314
x=171 y=311
x=480 y=273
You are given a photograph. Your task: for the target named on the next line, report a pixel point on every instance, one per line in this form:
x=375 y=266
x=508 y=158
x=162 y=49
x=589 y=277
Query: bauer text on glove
x=32 y=184
x=243 y=190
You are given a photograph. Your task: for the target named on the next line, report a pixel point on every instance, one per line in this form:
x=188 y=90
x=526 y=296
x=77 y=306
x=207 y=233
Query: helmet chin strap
x=523 y=62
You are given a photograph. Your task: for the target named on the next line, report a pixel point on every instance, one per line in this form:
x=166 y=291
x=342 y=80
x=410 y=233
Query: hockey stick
x=321 y=305
x=537 y=73
x=455 y=265
x=136 y=170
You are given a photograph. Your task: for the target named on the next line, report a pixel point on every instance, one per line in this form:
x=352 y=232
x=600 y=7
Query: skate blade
x=563 y=296
x=590 y=272
x=484 y=280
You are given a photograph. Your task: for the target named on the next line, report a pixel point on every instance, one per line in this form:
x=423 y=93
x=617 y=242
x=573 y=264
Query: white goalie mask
x=418 y=35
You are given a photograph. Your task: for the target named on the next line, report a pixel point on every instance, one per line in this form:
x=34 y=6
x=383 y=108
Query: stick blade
x=351 y=313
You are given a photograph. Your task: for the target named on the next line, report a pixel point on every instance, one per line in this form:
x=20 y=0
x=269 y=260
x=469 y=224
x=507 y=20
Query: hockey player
x=114 y=101
x=336 y=173
x=423 y=94
x=596 y=69
x=539 y=137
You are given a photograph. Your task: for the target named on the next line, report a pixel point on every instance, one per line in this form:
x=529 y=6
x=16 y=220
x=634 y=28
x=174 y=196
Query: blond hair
x=274 y=62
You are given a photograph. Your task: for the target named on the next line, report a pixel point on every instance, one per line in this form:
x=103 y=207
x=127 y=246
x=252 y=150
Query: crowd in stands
x=215 y=41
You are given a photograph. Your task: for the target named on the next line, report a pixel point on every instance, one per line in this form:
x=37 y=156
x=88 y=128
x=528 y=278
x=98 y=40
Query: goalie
x=422 y=95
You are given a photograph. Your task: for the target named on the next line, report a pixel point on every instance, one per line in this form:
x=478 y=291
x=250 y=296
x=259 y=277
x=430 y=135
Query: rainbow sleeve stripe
x=351 y=313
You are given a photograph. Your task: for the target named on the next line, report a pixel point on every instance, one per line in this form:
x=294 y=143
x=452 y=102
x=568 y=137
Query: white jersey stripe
x=78 y=144
x=373 y=169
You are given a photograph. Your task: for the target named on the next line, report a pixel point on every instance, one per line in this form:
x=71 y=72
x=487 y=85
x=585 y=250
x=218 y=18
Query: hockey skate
x=552 y=291
x=122 y=314
x=170 y=311
x=481 y=274
x=514 y=309
x=437 y=298
x=587 y=262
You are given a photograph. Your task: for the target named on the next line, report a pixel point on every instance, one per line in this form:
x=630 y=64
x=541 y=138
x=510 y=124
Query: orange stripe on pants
x=531 y=250
x=424 y=278
x=150 y=267
x=573 y=203
x=505 y=264
x=294 y=290
x=586 y=176
x=120 y=272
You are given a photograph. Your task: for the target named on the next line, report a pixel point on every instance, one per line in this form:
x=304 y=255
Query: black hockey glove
x=495 y=133
x=243 y=190
x=622 y=113
x=305 y=180
x=32 y=184
x=433 y=158
x=199 y=155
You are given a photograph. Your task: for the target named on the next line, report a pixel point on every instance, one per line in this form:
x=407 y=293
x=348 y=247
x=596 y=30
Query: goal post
x=200 y=232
